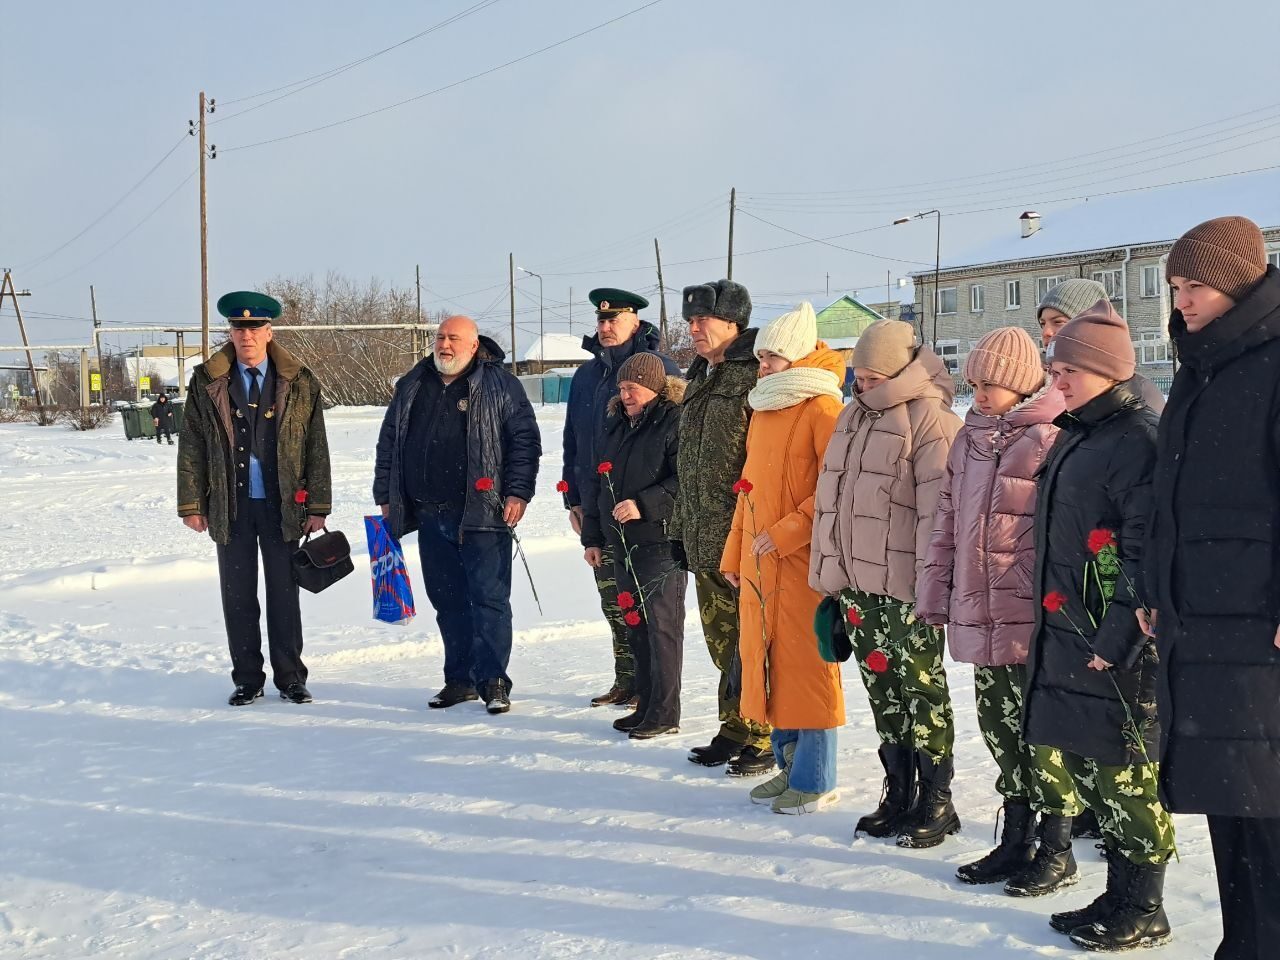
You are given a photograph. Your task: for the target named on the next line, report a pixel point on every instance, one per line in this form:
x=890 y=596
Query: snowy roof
x=1131 y=219
x=556 y=348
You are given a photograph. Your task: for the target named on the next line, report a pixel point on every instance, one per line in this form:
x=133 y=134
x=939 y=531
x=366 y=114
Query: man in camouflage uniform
x=620 y=334
x=713 y=448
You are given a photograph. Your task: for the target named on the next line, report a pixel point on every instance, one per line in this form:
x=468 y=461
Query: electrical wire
x=797 y=233
x=308 y=82
x=448 y=86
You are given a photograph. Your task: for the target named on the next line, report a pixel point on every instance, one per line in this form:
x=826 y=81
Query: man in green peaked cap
x=253 y=472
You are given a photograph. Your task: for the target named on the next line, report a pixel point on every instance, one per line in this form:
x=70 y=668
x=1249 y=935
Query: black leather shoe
x=242 y=696
x=751 y=762
x=717 y=753
x=296 y=692
x=647 y=731
x=451 y=694
x=629 y=722
x=496 y=699
x=616 y=695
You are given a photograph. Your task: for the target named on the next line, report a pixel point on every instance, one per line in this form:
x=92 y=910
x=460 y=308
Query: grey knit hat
x=1072 y=297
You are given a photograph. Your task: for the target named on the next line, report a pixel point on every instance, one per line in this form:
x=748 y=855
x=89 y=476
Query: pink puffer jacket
x=977 y=572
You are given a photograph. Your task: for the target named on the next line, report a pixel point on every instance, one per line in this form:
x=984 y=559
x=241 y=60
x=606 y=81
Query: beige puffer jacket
x=879 y=485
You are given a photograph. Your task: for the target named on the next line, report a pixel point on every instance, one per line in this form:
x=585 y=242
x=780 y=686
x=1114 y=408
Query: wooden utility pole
x=7 y=289
x=662 y=296
x=417 y=351
x=97 y=343
x=888 y=294
x=733 y=203
x=571 y=311
x=205 y=108
x=511 y=287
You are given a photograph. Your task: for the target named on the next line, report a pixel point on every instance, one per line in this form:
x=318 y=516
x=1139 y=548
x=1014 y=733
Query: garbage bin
x=129 y=418
x=179 y=410
x=136 y=418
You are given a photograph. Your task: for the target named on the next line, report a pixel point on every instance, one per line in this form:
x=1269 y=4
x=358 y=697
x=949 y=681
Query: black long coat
x=643 y=459
x=1214 y=563
x=1097 y=475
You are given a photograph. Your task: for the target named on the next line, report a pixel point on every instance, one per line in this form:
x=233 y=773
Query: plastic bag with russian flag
x=392 y=592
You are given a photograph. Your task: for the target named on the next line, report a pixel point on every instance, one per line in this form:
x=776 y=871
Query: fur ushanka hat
x=724 y=299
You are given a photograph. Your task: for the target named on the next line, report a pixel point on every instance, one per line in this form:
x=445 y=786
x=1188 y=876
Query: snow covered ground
x=140 y=817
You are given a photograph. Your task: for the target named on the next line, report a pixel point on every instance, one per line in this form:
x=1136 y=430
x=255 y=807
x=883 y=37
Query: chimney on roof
x=1030 y=221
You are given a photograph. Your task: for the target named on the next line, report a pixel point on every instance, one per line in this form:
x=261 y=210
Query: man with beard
x=620 y=335
x=457 y=460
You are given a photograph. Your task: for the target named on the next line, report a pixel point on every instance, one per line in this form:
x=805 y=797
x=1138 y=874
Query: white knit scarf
x=794 y=385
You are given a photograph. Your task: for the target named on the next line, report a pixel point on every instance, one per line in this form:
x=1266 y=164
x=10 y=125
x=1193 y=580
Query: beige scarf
x=794 y=385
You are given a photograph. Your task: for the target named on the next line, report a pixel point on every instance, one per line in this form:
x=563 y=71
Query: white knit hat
x=793 y=335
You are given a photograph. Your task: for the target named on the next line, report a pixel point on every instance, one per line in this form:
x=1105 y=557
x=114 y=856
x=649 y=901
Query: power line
x=797 y=233
x=58 y=249
x=154 y=210
x=448 y=86
x=306 y=83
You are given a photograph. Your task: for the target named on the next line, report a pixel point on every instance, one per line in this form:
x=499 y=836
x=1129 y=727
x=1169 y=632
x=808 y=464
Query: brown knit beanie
x=1228 y=254
x=885 y=347
x=1098 y=341
x=1009 y=358
x=645 y=369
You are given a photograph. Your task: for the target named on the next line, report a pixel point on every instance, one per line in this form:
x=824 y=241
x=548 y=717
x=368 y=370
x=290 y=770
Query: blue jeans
x=813 y=766
x=468 y=580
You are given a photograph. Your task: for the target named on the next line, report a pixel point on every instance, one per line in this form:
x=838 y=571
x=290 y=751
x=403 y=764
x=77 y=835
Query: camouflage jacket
x=206 y=473
x=713 y=448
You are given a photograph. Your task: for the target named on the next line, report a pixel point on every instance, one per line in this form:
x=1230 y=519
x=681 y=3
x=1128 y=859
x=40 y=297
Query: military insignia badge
x=604 y=305
x=689 y=299
x=247 y=313
x=462 y=404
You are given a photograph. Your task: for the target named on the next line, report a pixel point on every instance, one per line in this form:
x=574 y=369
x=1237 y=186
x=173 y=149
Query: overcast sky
x=829 y=118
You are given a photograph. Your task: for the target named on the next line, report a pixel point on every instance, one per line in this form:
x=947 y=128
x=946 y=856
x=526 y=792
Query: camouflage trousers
x=1034 y=774
x=906 y=684
x=718 y=607
x=624 y=664
x=1127 y=805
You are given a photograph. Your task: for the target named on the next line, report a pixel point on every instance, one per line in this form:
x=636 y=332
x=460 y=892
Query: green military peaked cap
x=611 y=300
x=245 y=308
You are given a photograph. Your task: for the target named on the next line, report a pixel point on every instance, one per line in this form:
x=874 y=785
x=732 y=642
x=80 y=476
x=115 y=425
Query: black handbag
x=322 y=562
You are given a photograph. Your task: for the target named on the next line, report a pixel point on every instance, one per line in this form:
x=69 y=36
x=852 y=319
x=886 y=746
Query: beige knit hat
x=885 y=347
x=1097 y=340
x=793 y=335
x=1009 y=358
x=1228 y=254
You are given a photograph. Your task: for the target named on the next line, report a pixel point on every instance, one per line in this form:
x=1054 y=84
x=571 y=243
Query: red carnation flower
x=1055 y=601
x=484 y=484
x=855 y=616
x=1100 y=539
x=632 y=618
x=605 y=467
x=300 y=497
x=743 y=486
x=562 y=486
x=626 y=601
x=877 y=662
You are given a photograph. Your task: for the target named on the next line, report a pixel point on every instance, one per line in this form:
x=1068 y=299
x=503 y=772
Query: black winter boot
x=751 y=762
x=1137 y=919
x=895 y=799
x=1053 y=866
x=1086 y=825
x=1070 y=919
x=934 y=817
x=1016 y=850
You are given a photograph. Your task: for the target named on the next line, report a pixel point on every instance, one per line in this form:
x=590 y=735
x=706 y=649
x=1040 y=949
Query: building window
x=1044 y=285
x=1273 y=258
x=1113 y=280
x=1152 y=348
x=952 y=353
x=976 y=298
x=1012 y=294
x=946 y=300
x=1151 y=280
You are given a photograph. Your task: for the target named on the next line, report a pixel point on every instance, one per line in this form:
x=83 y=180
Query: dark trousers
x=255 y=529
x=1246 y=853
x=166 y=429
x=468 y=579
x=657 y=642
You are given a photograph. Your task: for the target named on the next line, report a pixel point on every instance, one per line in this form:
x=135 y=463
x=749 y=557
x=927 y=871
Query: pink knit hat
x=1009 y=358
x=1097 y=340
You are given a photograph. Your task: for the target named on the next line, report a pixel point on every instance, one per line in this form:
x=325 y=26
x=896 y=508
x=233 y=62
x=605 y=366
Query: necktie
x=255 y=391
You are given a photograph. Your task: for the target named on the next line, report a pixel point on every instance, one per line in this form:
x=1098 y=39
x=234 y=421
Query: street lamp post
x=937 y=269
x=541 y=342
